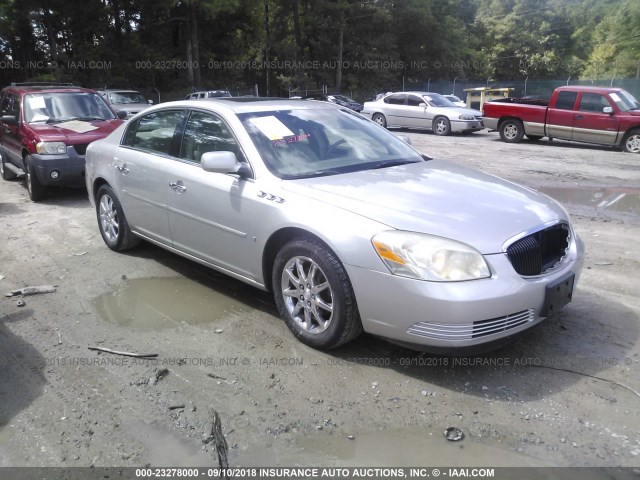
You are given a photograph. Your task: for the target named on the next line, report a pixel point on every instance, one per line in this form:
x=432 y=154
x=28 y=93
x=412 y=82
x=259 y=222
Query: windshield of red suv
x=55 y=107
x=625 y=101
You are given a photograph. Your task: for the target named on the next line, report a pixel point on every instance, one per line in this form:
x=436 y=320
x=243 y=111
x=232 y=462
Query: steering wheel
x=333 y=147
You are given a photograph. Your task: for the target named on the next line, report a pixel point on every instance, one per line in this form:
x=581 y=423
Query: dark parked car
x=338 y=100
x=45 y=131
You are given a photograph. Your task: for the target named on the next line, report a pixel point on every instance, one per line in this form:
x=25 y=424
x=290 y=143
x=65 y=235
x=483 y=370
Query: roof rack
x=42 y=84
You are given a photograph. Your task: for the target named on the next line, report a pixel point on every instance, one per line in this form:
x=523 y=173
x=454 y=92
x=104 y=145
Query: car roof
x=26 y=89
x=589 y=89
x=250 y=104
x=116 y=90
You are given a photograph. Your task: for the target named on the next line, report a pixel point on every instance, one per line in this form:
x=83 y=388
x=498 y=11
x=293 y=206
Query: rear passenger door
x=395 y=110
x=147 y=150
x=560 y=118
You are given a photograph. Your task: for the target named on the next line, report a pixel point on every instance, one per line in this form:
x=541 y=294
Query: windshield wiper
x=319 y=173
x=392 y=163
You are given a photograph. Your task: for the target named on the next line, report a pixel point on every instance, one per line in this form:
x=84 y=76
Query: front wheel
x=36 y=190
x=511 y=131
x=441 y=126
x=113 y=224
x=379 y=119
x=314 y=295
x=631 y=142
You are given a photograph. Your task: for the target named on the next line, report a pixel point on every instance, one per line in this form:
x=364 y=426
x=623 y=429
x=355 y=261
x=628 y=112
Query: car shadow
x=561 y=144
x=580 y=341
x=21 y=369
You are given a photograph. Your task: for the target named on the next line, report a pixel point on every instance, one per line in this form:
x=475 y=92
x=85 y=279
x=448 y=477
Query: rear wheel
x=379 y=119
x=4 y=171
x=113 y=224
x=36 y=190
x=511 y=130
x=314 y=295
x=441 y=126
x=631 y=142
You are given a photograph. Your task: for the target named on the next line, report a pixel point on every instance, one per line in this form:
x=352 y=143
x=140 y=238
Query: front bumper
x=70 y=168
x=466 y=125
x=456 y=316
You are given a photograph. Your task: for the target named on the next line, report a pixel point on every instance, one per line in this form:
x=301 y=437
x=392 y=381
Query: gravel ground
x=565 y=394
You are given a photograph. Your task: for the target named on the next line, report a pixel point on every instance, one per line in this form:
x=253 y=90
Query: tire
x=534 y=138
x=441 y=126
x=112 y=222
x=379 y=119
x=319 y=317
x=631 y=142
x=4 y=171
x=511 y=130
x=37 y=191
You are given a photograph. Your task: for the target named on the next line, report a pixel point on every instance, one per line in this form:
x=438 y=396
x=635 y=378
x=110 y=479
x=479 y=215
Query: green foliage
x=294 y=45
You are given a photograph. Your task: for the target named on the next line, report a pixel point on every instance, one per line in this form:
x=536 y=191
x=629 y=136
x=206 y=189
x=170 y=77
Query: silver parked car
x=422 y=110
x=128 y=101
x=351 y=228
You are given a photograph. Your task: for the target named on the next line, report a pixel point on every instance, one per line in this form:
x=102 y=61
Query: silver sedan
x=349 y=227
x=422 y=110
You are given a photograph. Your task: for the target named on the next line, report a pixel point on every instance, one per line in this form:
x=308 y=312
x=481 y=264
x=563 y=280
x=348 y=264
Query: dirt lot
x=568 y=393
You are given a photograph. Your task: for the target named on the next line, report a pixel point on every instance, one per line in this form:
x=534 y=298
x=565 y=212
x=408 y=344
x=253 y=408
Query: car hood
x=438 y=198
x=51 y=133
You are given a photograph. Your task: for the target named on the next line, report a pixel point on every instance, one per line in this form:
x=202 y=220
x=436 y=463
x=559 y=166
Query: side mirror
x=9 y=119
x=224 y=162
x=424 y=105
x=608 y=110
x=150 y=102
x=122 y=114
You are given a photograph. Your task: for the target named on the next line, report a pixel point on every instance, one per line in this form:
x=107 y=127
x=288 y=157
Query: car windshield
x=345 y=99
x=317 y=142
x=625 y=101
x=436 y=100
x=126 y=97
x=54 y=107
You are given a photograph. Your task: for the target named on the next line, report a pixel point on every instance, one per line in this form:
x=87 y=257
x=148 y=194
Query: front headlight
x=51 y=148
x=427 y=257
x=464 y=116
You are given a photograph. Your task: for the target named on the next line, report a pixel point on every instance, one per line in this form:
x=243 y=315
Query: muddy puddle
x=158 y=303
x=384 y=448
x=617 y=199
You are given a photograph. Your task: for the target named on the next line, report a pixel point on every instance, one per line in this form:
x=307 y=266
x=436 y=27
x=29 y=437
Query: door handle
x=579 y=117
x=122 y=169
x=178 y=186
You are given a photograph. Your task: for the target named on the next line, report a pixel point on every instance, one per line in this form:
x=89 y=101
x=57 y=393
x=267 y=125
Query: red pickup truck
x=607 y=116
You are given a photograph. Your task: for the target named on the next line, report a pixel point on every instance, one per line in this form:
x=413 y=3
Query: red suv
x=44 y=133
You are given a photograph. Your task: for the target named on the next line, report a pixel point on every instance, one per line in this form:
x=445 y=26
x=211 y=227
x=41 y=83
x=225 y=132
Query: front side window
x=593 y=102
x=56 y=107
x=154 y=132
x=566 y=100
x=414 y=101
x=206 y=133
x=317 y=142
x=10 y=105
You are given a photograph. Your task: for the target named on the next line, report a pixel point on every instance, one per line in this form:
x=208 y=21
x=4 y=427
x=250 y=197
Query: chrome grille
x=468 y=331
x=539 y=252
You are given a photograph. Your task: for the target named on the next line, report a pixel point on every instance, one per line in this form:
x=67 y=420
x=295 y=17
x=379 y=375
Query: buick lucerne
x=350 y=227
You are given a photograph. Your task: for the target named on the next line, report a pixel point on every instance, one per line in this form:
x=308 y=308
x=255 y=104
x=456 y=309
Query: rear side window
x=395 y=100
x=566 y=100
x=154 y=132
